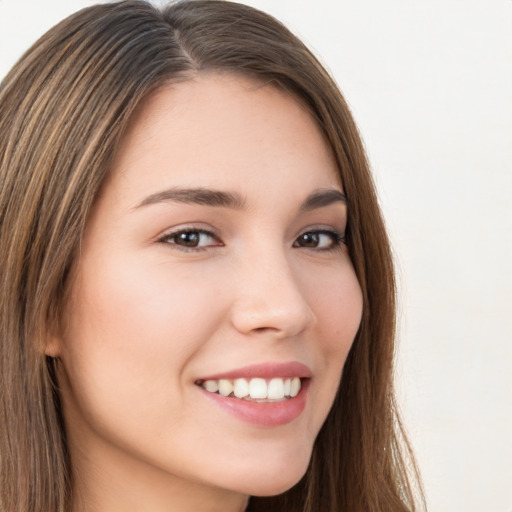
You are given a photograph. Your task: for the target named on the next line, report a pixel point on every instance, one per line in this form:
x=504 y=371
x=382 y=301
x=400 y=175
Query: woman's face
x=214 y=257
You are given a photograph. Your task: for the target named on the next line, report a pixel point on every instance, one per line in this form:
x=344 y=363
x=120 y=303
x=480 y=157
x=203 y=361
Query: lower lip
x=263 y=414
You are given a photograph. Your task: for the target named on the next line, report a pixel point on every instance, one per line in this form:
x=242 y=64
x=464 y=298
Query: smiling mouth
x=256 y=389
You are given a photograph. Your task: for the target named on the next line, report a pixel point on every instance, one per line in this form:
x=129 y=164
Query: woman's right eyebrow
x=200 y=196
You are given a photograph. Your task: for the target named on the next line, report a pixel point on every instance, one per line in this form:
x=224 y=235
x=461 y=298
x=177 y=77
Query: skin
x=148 y=317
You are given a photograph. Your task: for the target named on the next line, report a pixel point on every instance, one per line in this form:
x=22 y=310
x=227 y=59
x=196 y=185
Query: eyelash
x=337 y=239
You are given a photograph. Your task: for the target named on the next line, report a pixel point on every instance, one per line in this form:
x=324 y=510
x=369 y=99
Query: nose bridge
x=269 y=295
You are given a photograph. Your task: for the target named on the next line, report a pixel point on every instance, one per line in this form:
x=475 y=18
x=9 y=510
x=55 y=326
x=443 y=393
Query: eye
x=323 y=240
x=191 y=239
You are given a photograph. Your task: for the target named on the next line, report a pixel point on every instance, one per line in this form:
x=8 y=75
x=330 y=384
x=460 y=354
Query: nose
x=270 y=298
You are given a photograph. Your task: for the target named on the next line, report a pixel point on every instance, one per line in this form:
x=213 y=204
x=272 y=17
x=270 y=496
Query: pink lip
x=263 y=414
x=264 y=371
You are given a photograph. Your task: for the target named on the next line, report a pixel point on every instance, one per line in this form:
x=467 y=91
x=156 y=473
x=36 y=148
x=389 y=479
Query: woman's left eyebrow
x=321 y=198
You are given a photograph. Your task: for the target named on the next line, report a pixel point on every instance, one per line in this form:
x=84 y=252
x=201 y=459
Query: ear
x=52 y=346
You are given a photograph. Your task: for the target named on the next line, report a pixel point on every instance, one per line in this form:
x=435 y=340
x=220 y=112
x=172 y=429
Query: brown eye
x=187 y=239
x=191 y=239
x=321 y=240
x=308 y=240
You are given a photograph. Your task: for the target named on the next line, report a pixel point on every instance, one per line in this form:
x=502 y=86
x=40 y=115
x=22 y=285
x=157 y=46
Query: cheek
x=339 y=306
x=146 y=308
x=131 y=333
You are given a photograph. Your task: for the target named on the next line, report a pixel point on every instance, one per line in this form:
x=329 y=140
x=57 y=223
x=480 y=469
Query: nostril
x=262 y=329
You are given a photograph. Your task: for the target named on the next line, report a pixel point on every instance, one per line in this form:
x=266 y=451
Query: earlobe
x=52 y=346
x=51 y=342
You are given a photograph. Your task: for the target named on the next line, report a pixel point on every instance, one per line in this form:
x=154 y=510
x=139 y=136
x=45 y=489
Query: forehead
x=218 y=128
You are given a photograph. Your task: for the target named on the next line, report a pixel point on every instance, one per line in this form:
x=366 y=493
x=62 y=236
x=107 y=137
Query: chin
x=272 y=479
x=274 y=487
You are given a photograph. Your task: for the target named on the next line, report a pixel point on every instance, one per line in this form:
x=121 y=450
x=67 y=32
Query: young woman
x=196 y=288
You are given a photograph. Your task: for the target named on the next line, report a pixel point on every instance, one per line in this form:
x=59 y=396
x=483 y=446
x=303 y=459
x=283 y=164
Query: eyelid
x=323 y=228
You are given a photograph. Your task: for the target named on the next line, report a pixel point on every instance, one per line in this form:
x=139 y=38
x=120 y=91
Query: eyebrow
x=221 y=199
x=321 y=198
x=200 y=196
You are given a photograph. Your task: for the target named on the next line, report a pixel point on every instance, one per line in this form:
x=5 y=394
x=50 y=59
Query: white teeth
x=255 y=389
x=225 y=387
x=211 y=385
x=258 y=388
x=287 y=387
x=276 y=389
x=241 y=388
x=295 y=387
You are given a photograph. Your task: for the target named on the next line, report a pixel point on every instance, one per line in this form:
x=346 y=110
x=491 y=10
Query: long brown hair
x=63 y=110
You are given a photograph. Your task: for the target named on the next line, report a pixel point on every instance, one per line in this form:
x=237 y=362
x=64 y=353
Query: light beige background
x=430 y=84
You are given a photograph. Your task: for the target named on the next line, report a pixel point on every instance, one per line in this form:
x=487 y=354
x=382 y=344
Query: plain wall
x=430 y=84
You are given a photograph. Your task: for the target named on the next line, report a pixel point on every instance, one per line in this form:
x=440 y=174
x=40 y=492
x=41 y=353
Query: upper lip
x=264 y=371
